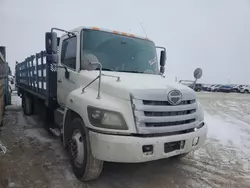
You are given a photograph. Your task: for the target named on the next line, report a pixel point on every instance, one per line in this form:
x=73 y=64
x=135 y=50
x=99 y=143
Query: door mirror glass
x=163 y=58
x=51 y=42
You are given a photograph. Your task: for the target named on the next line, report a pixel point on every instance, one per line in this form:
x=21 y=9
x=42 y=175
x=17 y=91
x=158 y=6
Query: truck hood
x=141 y=86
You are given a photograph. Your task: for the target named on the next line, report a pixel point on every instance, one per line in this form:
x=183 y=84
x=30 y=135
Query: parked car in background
x=236 y=88
x=245 y=89
x=224 y=88
x=214 y=88
x=206 y=86
x=210 y=87
x=198 y=87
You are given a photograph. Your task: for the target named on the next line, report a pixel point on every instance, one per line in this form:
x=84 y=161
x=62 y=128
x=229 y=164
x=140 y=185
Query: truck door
x=67 y=58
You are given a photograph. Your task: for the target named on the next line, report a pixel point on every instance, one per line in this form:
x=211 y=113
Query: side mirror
x=162 y=69
x=51 y=42
x=52 y=58
x=197 y=73
x=90 y=62
x=163 y=58
x=162 y=61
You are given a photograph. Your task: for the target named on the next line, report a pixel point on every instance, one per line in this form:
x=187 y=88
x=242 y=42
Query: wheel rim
x=77 y=148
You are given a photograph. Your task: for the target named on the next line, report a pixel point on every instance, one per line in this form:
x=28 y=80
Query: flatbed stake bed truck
x=107 y=95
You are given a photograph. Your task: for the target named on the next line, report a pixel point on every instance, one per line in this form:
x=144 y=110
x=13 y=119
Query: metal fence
x=37 y=74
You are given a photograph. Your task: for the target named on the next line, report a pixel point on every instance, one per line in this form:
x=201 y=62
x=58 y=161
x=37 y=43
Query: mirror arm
x=160 y=47
x=194 y=83
x=66 y=69
x=99 y=83
x=58 y=29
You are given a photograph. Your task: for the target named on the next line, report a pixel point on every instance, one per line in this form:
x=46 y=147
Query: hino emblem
x=174 y=97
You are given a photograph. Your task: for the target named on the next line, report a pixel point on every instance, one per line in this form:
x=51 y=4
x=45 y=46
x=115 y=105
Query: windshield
x=119 y=53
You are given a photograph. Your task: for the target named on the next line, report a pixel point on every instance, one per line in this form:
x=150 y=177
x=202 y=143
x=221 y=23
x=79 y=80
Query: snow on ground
x=228 y=131
x=36 y=159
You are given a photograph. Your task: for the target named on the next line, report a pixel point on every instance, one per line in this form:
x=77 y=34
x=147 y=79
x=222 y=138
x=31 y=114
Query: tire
x=84 y=165
x=27 y=105
x=246 y=91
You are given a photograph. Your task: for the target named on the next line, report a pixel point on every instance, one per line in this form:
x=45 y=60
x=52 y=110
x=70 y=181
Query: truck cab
x=111 y=101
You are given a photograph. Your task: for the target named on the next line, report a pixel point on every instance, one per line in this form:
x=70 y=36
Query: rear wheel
x=27 y=104
x=84 y=165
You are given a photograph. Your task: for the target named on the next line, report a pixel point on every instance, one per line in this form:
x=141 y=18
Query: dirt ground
x=36 y=159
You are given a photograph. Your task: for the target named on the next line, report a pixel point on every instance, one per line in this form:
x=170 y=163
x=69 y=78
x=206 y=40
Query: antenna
x=143 y=30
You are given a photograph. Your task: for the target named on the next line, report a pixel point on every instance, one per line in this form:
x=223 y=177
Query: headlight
x=106 y=119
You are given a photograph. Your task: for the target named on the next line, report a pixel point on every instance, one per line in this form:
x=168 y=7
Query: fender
x=78 y=102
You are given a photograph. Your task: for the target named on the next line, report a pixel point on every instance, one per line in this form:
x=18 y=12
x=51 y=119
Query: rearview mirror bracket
x=66 y=71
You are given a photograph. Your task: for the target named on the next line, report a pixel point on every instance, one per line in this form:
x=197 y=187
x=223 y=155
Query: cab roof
x=110 y=31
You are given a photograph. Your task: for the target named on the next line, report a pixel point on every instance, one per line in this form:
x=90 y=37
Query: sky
x=210 y=34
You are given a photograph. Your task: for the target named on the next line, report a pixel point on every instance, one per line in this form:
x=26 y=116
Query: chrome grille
x=166 y=103
x=163 y=124
x=172 y=113
x=153 y=116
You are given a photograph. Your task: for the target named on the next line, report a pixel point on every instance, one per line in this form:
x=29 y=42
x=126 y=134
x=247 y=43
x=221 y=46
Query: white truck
x=109 y=99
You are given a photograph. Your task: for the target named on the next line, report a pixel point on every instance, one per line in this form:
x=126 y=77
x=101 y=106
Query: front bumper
x=128 y=149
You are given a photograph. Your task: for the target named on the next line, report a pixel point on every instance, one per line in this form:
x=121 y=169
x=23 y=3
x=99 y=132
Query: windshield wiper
x=105 y=69
x=132 y=71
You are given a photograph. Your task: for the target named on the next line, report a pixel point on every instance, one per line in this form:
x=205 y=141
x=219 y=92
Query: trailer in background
x=5 y=95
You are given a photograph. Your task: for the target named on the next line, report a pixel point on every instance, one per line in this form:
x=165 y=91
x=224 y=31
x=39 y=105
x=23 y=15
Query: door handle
x=60 y=81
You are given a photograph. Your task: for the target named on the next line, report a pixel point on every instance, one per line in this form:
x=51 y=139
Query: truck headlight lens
x=106 y=119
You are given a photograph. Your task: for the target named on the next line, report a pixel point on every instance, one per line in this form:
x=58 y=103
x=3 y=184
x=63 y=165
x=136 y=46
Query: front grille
x=171 y=113
x=166 y=103
x=173 y=123
x=160 y=117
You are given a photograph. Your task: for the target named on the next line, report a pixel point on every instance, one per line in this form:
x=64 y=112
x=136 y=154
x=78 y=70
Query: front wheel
x=246 y=91
x=84 y=165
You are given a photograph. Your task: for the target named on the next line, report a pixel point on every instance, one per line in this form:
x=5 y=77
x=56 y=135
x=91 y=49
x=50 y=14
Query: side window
x=68 y=55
